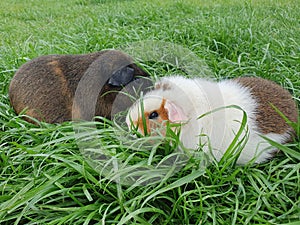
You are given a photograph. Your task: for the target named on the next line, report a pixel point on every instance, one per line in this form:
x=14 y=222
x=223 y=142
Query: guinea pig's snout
x=121 y=77
x=141 y=125
x=148 y=124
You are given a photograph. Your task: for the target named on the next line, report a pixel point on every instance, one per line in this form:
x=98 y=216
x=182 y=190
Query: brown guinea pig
x=58 y=88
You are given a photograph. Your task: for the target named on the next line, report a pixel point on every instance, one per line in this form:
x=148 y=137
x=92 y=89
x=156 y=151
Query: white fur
x=197 y=97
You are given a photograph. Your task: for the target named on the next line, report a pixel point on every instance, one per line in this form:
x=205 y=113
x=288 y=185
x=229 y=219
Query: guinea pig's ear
x=175 y=113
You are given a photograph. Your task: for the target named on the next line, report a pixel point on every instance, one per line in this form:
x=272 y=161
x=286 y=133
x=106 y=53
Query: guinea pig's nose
x=121 y=77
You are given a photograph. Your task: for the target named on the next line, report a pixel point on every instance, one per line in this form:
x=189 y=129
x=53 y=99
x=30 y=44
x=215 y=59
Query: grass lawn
x=44 y=178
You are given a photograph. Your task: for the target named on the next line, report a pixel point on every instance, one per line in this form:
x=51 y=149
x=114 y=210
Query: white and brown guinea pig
x=182 y=100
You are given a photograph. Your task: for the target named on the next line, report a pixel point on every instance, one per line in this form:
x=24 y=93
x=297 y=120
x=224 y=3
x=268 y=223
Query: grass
x=44 y=178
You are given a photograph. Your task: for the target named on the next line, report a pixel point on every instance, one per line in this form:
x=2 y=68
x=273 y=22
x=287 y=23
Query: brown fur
x=46 y=86
x=162 y=86
x=266 y=93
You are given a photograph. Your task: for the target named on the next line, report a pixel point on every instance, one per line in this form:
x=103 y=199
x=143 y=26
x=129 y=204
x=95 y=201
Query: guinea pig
x=45 y=87
x=207 y=120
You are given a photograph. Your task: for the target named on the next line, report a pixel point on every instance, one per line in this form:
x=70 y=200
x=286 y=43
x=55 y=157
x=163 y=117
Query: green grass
x=44 y=178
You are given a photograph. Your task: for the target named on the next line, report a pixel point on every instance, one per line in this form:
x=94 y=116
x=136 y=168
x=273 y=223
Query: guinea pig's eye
x=153 y=115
